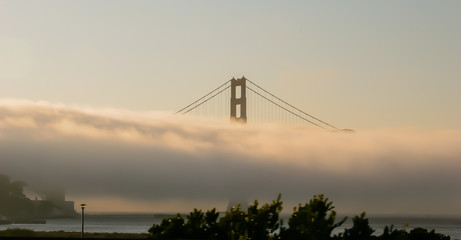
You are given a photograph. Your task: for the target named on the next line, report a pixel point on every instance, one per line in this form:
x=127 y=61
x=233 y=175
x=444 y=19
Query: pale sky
x=356 y=64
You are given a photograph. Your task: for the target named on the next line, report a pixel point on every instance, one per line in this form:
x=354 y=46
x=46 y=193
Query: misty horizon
x=158 y=162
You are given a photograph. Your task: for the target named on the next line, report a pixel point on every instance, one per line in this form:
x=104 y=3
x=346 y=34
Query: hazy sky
x=357 y=64
x=87 y=89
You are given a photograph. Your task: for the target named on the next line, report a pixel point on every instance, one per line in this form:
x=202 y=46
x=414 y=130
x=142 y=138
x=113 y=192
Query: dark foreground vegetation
x=314 y=220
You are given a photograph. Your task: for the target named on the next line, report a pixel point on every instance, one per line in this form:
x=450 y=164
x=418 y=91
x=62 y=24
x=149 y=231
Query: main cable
x=202 y=98
x=292 y=105
x=198 y=105
x=284 y=108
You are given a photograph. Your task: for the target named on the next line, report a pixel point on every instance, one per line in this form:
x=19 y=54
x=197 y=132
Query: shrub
x=313 y=221
x=360 y=230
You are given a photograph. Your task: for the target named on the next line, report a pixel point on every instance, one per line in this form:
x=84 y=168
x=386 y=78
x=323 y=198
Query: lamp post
x=83 y=219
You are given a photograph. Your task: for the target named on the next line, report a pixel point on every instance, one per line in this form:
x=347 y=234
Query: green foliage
x=262 y=223
x=360 y=230
x=314 y=220
x=393 y=234
x=195 y=226
x=423 y=234
x=170 y=228
x=258 y=223
x=211 y=224
x=232 y=225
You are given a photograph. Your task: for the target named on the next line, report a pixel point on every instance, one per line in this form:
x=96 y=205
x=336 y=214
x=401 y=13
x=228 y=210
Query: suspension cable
x=284 y=108
x=292 y=105
x=201 y=98
x=206 y=100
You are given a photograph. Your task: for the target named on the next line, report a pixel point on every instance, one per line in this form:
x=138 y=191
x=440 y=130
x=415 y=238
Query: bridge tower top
x=238 y=102
x=247 y=97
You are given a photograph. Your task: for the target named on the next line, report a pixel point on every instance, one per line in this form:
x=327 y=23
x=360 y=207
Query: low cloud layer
x=122 y=161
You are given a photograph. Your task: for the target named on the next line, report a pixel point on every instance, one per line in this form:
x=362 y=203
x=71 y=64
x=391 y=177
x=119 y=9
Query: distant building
x=53 y=204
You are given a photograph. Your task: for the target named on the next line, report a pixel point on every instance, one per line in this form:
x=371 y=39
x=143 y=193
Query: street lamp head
x=83 y=205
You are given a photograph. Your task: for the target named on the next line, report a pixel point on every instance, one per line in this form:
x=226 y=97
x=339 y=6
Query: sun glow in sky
x=91 y=76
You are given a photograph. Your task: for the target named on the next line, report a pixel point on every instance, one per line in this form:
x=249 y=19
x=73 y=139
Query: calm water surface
x=140 y=223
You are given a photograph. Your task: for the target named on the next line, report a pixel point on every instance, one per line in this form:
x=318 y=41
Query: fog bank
x=117 y=160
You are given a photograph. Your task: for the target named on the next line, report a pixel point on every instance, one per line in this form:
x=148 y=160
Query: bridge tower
x=238 y=102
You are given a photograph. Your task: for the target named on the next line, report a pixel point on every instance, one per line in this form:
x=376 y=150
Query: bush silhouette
x=170 y=228
x=423 y=234
x=360 y=230
x=195 y=226
x=262 y=223
x=314 y=220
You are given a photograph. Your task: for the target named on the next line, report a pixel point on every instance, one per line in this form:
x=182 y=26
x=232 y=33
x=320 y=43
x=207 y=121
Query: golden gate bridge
x=247 y=102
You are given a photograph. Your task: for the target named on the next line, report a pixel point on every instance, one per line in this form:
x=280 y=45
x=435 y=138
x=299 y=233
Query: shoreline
x=16 y=233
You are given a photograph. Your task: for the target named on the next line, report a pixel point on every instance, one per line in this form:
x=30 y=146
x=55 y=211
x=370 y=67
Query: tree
x=195 y=226
x=262 y=223
x=423 y=234
x=232 y=225
x=360 y=230
x=393 y=234
x=211 y=224
x=169 y=228
x=313 y=221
